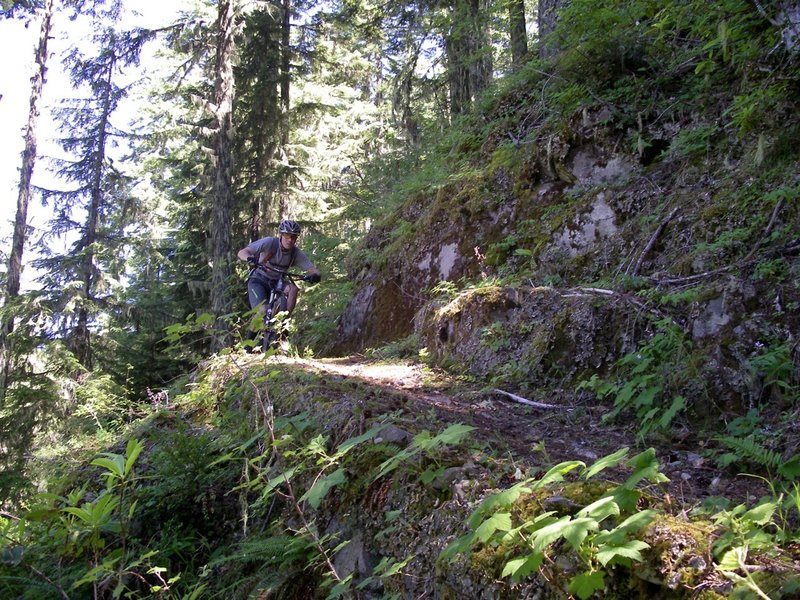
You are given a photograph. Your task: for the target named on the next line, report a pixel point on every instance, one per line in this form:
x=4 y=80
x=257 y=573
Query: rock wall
x=579 y=229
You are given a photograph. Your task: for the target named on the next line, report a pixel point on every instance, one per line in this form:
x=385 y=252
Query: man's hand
x=252 y=261
x=315 y=278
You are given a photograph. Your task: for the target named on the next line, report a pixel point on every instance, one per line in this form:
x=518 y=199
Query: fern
x=271 y=550
x=747 y=449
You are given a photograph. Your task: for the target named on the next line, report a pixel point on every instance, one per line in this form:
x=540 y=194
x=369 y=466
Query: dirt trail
x=537 y=436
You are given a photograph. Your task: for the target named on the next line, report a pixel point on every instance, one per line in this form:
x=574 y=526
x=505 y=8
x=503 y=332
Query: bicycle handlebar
x=288 y=274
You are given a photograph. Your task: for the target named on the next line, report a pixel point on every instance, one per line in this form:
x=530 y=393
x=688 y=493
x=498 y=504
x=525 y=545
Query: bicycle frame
x=275 y=303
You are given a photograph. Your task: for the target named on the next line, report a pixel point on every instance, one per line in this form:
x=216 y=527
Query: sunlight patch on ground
x=386 y=373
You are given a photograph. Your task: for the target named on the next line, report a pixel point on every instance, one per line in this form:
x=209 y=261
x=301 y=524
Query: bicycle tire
x=271 y=334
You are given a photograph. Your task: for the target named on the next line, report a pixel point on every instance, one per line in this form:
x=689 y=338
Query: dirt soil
x=568 y=427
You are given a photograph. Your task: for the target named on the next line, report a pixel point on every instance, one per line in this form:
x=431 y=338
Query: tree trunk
x=286 y=65
x=24 y=195
x=223 y=195
x=519 y=34
x=82 y=342
x=548 y=46
x=468 y=51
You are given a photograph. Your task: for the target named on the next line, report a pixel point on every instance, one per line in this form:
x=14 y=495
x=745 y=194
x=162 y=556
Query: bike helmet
x=290 y=227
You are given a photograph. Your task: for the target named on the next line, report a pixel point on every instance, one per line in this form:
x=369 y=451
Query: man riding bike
x=276 y=253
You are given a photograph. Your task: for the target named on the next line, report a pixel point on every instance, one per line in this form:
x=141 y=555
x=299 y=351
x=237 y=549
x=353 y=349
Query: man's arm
x=304 y=263
x=314 y=276
x=245 y=254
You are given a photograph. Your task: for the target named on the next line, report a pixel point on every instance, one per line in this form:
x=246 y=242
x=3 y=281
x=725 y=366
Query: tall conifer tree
x=222 y=209
x=23 y=198
x=99 y=204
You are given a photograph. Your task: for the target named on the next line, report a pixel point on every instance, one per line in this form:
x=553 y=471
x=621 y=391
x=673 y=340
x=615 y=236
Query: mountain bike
x=276 y=303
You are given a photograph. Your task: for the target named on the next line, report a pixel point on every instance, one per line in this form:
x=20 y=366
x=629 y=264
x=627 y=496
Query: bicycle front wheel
x=272 y=331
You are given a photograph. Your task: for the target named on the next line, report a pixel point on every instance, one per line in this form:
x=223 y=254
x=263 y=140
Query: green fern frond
x=264 y=550
x=747 y=449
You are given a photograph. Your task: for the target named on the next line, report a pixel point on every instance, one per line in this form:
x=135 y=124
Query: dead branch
x=590 y=291
x=748 y=259
x=767 y=230
x=653 y=239
x=525 y=401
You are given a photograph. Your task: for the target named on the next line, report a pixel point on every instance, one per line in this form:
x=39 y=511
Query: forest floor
x=570 y=427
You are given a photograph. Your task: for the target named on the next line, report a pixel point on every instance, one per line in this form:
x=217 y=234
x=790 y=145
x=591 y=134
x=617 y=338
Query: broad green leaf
x=631 y=549
x=322 y=486
x=633 y=523
x=522 y=567
x=791 y=468
x=761 y=514
x=341 y=588
x=733 y=559
x=395 y=461
x=577 y=530
x=260 y=434
x=317 y=446
x=626 y=499
x=205 y=319
x=550 y=533
x=643 y=460
x=649 y=472
x=458 y=546
x=610 y=461
x=497 y=522
x=430 y=474
x=557 y=473
x=503 y=499
x=349 y=444
x=586 y=584
x=600 y=509
x=273 y=483
x=132 y=452
x=454 y=434
x=113 y=463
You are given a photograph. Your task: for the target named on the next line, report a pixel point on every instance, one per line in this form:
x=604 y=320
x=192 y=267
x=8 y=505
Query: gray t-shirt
x=282 y=259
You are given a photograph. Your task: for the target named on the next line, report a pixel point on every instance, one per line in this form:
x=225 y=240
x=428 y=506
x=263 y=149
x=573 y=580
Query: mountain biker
x=281 y=253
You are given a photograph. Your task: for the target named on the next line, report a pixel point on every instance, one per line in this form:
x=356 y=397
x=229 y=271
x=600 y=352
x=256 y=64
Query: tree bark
x=468 y=51
x=222 y=208
x=519 y=33
x=23 y=197
x=548 y=47
x=286 y=65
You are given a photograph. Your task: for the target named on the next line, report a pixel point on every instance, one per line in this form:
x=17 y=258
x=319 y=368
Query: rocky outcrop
x=558 y=258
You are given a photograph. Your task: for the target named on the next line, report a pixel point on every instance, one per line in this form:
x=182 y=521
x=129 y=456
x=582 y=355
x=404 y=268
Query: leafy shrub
x=651 y=376
x=600 y=534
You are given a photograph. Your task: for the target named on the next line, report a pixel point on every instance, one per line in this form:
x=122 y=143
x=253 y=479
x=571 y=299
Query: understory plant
x=297 y=468
x=64 y=544
x=601 y=534
x=648 y=380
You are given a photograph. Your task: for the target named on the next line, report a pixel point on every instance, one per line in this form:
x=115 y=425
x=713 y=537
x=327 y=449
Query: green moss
x=679 y=549
x=488 y=294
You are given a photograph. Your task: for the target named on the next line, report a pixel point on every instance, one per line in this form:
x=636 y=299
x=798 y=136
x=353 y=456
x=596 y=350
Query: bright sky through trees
x=17 y=43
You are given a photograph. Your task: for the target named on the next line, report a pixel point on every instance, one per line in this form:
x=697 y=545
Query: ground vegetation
x=554 y=352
